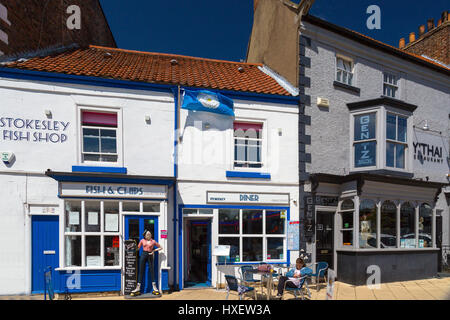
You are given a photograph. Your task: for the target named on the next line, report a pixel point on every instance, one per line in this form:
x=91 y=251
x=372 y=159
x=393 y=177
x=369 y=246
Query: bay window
x=367 y=224
x=380 y=138
x=388 y=231
x=347 y=210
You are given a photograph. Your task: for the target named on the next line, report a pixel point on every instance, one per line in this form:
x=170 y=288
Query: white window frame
x=391 y=84
x=119 y=136
x=397 y=142
x=352 y=63
x=381 y=139
x=263 y=147
x=264 y=236
x=341 y=224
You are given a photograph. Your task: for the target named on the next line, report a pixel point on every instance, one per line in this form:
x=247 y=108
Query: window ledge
x=99 y=169
x=246 y=174
x=88 y=268
x=346 y=86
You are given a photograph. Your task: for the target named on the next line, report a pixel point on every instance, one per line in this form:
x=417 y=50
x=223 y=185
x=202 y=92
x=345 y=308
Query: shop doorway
x=325 y=237
x=198 y=254
x=44 y=250
x=134 y=228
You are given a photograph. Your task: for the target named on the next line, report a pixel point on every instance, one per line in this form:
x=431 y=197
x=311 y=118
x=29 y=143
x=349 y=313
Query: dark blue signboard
x=365 y=151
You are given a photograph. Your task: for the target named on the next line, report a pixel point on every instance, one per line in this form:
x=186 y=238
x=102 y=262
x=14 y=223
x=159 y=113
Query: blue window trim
x=242 y=174
x=191 y=206
x=99 y=169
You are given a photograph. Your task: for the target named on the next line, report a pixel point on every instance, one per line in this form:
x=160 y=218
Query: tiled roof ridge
x=175 y=56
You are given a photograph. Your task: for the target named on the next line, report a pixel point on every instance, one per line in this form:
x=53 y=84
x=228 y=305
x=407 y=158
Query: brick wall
x=37 y=24
x=433 y=43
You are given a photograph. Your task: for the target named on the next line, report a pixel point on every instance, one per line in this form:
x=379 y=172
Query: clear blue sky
x=221 y=29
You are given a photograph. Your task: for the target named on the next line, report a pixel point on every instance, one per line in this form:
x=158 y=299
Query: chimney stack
x=444 y=16
x=439 y=23
x=430 y=24
x=401 y=43
x=412 y=37
x=421 y=30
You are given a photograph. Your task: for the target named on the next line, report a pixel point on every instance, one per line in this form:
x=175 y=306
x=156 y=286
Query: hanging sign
x=430 y=152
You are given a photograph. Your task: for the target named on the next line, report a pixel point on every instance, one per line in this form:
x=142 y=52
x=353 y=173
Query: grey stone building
x=374 y=144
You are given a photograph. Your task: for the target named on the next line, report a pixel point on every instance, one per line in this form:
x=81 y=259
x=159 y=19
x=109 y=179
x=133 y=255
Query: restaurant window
x=367 y=224
x=396 y=141
x=364 y=141
x=407 y=226
x=247 y=145
x=254 y=235
x=346 y=215
x=88 y=224
x=99 y=136
x=425 y=221
x=390 y=85
x=344 y=70
x=388 y=232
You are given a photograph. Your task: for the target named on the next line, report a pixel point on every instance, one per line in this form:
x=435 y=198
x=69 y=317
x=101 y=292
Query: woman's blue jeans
x=146 y=257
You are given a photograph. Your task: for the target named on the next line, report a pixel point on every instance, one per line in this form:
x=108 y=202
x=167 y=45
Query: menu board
x=130 y=266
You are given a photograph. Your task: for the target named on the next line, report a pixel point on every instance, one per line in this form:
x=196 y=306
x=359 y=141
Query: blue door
x=45 y=250
x=134 y=228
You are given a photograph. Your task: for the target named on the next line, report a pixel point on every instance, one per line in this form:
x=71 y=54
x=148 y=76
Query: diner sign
x=98 y=190
x=247 y=198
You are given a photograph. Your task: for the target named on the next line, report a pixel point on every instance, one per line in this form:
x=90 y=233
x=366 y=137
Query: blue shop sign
x=365 y=129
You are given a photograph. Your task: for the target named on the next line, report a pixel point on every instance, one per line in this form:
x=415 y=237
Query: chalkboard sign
x=130 y=266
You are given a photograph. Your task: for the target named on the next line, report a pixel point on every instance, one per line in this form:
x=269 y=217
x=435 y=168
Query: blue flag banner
x=208 y=101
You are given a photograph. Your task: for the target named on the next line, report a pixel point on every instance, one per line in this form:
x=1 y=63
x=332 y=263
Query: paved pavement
x=427 y=289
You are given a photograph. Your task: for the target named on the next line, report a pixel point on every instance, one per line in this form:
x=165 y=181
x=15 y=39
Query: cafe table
x=265 y=274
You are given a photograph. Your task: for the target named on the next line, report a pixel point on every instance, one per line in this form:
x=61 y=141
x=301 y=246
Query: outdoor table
x=267 y=274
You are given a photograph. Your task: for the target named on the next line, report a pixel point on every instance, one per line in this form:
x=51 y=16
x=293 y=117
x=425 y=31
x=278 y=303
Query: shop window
x=344 y=70
x=407 y=226
x=390 y=85
x=73 y=251
x=365 y=143
x=252 y=249
x=274 y=222
x=111 y=210
x=425 y=221
x=228 y=221
x=247 y=145
x=151 y=207
x=234 y=248
x=131 y=206
x=275 y=248
x=367 y=224
x=92 y=216
x=254 y=235
x=97 y=232
x=111 y=251
x=388 y=234
x=396 y=144
x=73 y=216
x=252 y=221
x=99 y=136
x=346 y=215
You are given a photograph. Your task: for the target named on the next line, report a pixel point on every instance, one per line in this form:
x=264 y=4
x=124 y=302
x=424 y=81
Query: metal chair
x=321 y=268
x=298 y=290
x=233 y=285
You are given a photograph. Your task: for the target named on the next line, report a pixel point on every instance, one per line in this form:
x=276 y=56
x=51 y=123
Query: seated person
x=294 y=281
